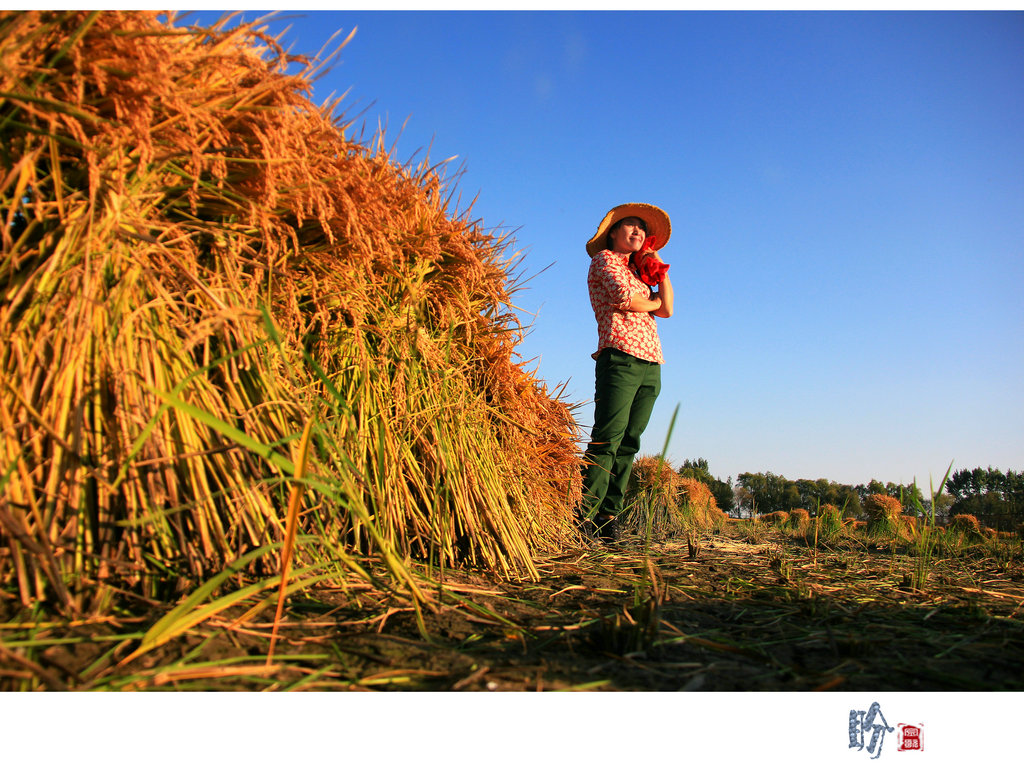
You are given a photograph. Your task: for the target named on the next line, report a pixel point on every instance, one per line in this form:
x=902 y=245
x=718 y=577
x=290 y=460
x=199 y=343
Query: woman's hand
x=660 y=301
x=654 y=253
x=666 y=296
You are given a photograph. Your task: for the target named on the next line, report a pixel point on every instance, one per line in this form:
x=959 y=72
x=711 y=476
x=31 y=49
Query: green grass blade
x=188 y=612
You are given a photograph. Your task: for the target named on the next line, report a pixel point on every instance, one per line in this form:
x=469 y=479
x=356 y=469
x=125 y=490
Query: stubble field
x=754 y=609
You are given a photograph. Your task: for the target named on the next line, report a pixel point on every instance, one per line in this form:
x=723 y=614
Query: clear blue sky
x=846 y=193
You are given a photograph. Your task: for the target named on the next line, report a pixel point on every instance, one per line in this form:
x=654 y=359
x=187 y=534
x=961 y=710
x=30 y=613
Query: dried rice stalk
x=161 y=189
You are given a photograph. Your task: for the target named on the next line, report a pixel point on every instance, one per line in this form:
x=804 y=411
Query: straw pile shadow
x=196 y=263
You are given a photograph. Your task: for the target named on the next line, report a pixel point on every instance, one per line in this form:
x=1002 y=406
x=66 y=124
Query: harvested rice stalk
x=195 y=260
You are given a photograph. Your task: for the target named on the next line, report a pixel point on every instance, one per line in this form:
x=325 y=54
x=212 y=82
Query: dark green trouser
x=624 y=395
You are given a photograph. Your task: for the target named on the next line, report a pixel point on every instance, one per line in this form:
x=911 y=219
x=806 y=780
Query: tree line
x=994 y=497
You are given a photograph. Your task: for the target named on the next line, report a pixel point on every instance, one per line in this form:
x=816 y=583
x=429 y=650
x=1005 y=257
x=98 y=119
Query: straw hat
x=658 y=225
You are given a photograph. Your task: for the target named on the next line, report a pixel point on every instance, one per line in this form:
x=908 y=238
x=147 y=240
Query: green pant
x=625 y=391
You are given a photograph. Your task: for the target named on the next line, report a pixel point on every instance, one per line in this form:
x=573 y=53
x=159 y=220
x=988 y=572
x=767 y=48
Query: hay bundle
x=966 y=525
x=698 y=503
x=693 y=493
x=884 y=514
x=779 y=518
x=653 y=472
x=909 y=529
x=829 y=521
x=799 y=520
x=652 y=498
x=660 y=499
x=195 y=261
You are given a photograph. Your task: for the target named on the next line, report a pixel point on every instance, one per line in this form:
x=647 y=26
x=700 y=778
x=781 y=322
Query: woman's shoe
x=608 y=528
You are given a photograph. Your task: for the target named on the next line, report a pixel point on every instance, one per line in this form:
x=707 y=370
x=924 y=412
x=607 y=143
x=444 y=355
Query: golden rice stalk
x=883 y=514
x=652 y=497
x=799 y=521
x=698 y=503
x=195 y=259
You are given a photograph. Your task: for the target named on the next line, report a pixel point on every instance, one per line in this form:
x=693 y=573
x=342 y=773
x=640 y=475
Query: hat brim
x=658 y=225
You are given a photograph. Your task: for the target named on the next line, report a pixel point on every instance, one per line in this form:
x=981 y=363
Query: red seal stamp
x=910 y=737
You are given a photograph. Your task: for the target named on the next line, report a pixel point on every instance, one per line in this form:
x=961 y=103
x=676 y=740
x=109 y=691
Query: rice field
x=265 y=427
x=758 y=608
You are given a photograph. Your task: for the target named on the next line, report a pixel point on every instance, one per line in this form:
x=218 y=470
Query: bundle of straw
x=883 y=513
x=799 y=520
x=698 y=504
x=651 y=505
x=965 y=524
x=829 y=521
x=195 y=261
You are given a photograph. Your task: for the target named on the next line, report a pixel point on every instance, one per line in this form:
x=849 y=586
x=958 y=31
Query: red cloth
x=650 y=270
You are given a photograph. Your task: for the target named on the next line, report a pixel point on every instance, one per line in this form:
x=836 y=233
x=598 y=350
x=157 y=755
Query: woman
x=628 y=372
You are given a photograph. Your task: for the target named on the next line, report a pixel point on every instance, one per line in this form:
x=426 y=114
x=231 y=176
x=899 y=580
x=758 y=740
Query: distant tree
x=743 y=500
x=942 y=503
x=1015 y=490
x=815 y=493
x=875 y=487
x=755 y=485
x=995 y=498
x=829 y=492
x=723 y=494
x=910 y=495
x=964 y=483
x=810 y=495
x=849 y=501
x=698 y=465
x=790 y=497
x=769 y=490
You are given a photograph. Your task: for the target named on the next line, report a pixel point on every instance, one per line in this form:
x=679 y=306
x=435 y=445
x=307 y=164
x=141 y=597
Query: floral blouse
x=612 y=284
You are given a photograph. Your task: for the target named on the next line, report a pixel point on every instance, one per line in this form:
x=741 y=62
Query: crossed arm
x=613 y=277
x=661 y=302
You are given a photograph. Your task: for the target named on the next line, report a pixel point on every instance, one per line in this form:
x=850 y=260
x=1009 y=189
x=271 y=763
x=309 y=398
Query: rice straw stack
x=195 y=261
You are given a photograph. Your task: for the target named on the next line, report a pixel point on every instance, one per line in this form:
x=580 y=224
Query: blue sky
x=847 y=201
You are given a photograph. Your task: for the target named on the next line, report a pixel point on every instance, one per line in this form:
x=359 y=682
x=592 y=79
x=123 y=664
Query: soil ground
x=738 y=616
x=743 y=613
